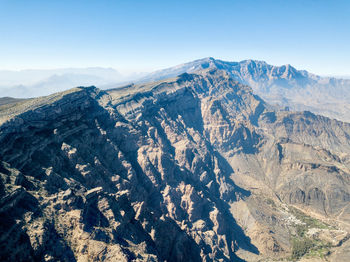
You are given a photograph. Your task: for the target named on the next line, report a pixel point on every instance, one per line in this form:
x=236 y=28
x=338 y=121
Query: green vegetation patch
x=309 y=222
x=309 y=247
x=300 y=247
x=306 y=246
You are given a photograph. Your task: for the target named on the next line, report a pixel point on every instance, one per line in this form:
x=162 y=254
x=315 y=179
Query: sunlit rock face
x=193 y=168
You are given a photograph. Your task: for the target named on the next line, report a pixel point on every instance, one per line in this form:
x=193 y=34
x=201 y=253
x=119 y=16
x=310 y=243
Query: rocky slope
x=281 y=85
x=194 y=168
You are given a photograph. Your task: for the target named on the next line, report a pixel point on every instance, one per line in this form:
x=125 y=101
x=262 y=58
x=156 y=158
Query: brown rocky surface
x=194 y=168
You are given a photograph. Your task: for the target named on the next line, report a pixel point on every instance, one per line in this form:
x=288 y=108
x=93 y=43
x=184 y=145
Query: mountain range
x=284 y=85
x=192 y=167
x=33 y=83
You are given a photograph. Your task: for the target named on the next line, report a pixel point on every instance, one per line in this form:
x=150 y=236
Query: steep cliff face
x=186 y=169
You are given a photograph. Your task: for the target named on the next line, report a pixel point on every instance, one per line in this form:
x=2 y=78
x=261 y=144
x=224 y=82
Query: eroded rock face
x=195 y=168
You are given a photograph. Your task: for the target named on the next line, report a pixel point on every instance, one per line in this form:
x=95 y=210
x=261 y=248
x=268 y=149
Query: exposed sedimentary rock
x=195 y=168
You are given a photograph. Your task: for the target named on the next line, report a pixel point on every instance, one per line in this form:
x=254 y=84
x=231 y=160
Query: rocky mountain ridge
x=193 y=168
x=281 y=85
x=284 y=86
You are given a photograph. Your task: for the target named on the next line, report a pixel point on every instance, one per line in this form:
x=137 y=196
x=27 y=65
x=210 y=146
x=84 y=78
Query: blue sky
x=146 y=35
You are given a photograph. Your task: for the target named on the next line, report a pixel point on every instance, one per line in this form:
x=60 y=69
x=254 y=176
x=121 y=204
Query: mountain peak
x=252 y=61
x=205 y=59
x=279 y=85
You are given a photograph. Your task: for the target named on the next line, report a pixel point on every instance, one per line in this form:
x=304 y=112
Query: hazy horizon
x=131 y=73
